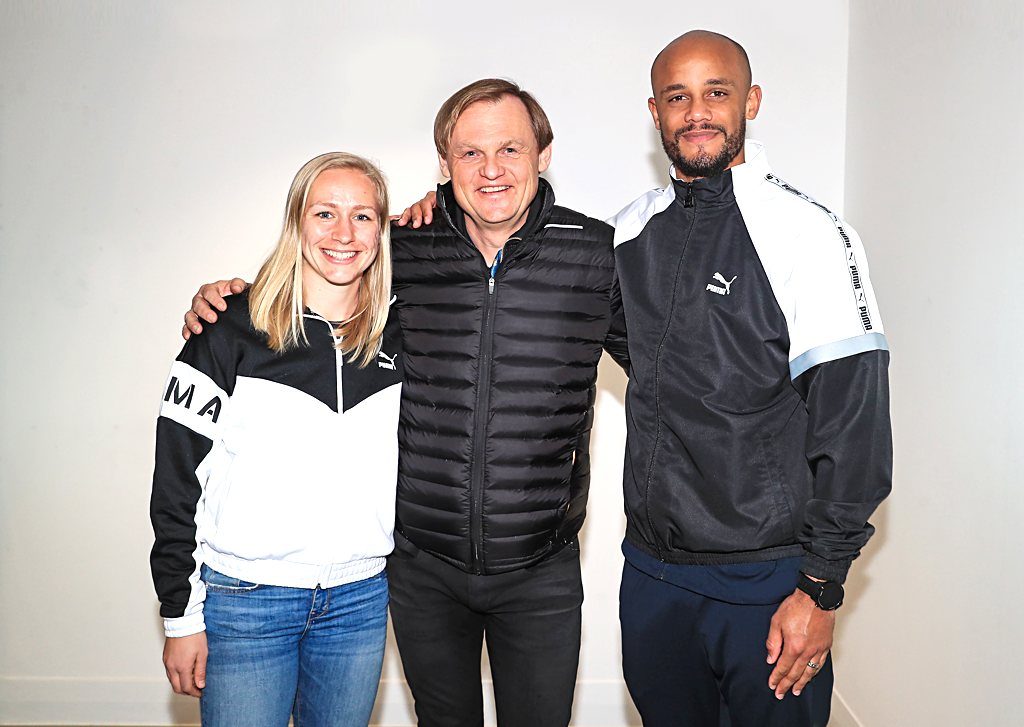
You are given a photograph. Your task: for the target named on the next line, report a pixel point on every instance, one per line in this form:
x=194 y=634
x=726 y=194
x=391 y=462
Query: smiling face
x=702 y=100
x=340 y=235
x=494 y=163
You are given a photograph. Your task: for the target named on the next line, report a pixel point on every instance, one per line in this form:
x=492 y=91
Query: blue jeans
x=275 y=652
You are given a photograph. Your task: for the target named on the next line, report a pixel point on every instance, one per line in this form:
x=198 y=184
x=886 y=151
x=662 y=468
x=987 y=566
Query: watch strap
x=817 y=589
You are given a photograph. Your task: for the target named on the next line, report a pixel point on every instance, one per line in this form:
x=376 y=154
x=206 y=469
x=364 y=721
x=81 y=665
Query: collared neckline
x=539 y=211
x=717 y=190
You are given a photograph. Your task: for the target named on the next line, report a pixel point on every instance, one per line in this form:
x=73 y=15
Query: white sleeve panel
x=631 y=219
x=818 y=272
x=192 y=399
x=193 y=621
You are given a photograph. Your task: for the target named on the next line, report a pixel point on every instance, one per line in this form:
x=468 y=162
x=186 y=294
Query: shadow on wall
x=610 y=380
x=183 y=710
x=859 y=578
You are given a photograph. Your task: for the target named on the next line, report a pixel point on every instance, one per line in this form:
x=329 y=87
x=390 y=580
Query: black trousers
x=692 y=661
x=531 y=619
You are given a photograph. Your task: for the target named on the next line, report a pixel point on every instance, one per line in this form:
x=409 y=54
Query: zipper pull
x=688 y=202
x=494 y=270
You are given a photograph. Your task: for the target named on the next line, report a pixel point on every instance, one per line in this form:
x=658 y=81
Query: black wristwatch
x=827 y=595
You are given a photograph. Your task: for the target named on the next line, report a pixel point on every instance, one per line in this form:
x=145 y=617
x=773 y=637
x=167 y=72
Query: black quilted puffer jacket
x=499 y=391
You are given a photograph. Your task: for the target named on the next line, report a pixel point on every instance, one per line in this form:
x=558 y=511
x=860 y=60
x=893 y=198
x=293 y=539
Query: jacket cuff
x=827 y=570
x=184 y=626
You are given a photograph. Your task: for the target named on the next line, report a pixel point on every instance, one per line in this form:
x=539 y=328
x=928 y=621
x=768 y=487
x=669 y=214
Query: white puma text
x=718 y=288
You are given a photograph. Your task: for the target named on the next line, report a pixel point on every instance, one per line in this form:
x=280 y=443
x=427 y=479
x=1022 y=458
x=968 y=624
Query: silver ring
x=812 y=665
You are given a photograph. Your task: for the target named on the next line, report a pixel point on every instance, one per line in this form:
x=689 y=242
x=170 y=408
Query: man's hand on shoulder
x=210 y=296
x=800 y=635
x=418 y=213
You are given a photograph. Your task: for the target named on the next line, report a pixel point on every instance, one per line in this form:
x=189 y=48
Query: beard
x=703 y=164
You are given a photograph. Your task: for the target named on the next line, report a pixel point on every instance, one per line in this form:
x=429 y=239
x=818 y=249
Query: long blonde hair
x=275 y=299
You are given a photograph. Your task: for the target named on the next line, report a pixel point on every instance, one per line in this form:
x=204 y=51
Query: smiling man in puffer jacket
x=506 y=302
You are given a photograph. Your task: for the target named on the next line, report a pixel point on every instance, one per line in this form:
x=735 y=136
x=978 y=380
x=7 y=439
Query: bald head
x=702 y=99
x=703 y=43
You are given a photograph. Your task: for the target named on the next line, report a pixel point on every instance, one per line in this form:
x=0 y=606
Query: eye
x=677 y=97
x=510 y=150
x=363 y=217
x=718 y=93
x=470 y=154
x=323 y=215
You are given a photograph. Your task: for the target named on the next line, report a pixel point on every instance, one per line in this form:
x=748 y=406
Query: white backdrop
x=147 y=147
x=935 y=638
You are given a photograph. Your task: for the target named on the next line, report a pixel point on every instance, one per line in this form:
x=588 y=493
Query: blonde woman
x=276 y=460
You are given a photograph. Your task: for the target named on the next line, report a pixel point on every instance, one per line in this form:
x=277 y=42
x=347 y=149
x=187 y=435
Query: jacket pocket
x=217 y=582
x=404 y=546
x=782 y=528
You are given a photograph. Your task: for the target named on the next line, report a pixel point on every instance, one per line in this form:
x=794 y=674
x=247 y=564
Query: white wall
x=934 y=159
x=147 y=147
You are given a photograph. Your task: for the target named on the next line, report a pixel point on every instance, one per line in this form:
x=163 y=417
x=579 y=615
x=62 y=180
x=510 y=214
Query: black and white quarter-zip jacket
x=499 y=390
x=273 y=468
x=758 y=407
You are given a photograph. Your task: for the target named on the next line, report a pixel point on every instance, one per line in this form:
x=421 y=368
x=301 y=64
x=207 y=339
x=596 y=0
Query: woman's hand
x=185 y=663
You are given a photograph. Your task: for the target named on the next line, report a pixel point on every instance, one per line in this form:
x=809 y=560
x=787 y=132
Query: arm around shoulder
x=209 y=297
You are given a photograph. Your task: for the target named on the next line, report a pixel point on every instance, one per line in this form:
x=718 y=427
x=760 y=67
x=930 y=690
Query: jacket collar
x=539 y=212
x=710 y=191
x=755 y=164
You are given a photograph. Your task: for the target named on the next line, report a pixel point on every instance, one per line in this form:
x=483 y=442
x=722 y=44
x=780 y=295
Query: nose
x=342 y=230
x=492 y=168
x=698 y=111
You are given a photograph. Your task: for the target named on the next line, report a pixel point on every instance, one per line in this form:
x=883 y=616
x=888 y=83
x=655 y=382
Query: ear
x=654 y=113
x=444 y=166
x=753 y=102
x=545 y=159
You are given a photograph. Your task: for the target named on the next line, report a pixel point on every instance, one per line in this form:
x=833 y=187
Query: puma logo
x=388 y=362
x=718 y=288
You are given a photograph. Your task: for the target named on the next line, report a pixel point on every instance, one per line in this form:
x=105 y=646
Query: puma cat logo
x=388 y=362
x=718 y=288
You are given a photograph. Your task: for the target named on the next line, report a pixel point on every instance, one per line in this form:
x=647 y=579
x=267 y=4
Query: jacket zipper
x=339 y=360
x=483 y=399
x=688 y=200
x=483 y=406
x=689 y=203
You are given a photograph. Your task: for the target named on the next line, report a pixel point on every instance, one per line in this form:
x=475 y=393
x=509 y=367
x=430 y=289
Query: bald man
x=758 y=435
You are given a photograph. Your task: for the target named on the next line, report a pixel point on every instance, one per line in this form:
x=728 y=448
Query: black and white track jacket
x=757 y=408
x=273 y=468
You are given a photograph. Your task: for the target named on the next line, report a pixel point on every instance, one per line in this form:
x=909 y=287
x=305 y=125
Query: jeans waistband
x=295 y=575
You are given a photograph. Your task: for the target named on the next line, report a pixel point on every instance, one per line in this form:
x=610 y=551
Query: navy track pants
x=692 y=661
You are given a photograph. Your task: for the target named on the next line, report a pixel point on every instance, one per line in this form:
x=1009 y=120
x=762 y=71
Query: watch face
x=831 y=596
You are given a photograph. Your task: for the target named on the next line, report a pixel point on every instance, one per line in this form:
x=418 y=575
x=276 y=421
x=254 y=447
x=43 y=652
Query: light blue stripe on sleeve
x=837 y=350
